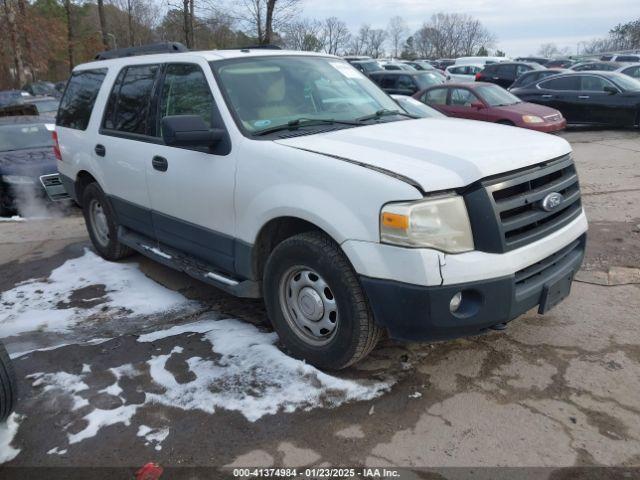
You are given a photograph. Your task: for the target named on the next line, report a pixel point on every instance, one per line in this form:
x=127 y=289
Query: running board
x=191 y=266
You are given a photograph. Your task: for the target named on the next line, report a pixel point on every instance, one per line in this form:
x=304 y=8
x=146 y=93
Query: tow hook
x=499 y=326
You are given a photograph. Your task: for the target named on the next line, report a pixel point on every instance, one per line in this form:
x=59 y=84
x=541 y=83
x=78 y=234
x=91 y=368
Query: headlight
x=441 y=223
x=17 y=180
x=532 y=119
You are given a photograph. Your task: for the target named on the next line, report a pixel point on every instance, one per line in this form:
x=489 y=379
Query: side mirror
x=478 y=105
x=610 y=90
x=189 y=131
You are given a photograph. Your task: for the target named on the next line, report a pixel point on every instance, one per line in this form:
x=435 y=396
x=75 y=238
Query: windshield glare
x=496 y=96
x=271 y=91
x=20 y=137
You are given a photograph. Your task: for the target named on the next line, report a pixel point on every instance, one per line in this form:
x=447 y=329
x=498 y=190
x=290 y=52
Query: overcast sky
x=520 y=25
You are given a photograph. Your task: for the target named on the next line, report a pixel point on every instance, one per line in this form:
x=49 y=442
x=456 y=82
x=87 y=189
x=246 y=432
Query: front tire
x=8 y=385
x=316 y=304
x=101 y=223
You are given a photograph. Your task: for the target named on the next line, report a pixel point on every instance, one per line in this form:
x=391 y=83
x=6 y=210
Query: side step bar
x=191 y=266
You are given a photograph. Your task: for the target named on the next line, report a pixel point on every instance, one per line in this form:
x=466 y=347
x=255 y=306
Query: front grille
x=506 y=211
x=533 y=273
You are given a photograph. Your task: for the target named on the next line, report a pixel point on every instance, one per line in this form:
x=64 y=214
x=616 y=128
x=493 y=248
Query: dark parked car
x=367 y=66
x=595 y=66
x=632 y=70
x=47 y=106
x=27 y=159
x=443 y=63
x=560 y=63
x=405 y=83
x=504 y=74
x=8 y=385
x=535 y=76
x=490 y=103
x=594 y=98
x=398 y=67
x=419 y=64
x=42 y=88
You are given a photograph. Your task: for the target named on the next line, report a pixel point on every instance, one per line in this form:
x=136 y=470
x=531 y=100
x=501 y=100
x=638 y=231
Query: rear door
x=406 y=85
x=123 y=142
x=191 y=189
x=598 y=106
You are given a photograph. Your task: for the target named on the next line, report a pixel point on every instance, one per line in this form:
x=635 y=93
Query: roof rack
x=258 y=47
x=163 y=47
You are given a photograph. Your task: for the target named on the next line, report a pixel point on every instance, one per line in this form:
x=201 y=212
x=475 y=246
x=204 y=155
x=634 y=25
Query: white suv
x=293 y=177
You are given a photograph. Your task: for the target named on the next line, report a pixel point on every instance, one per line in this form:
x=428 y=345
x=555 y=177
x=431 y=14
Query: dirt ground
x=555 y=391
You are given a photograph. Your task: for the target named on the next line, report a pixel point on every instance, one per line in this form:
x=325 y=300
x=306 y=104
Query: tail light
x=478 y=76
x=56 y=145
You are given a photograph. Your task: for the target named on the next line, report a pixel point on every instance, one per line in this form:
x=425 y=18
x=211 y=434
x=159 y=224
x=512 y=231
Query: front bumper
x=548 y=127
x=415 y=312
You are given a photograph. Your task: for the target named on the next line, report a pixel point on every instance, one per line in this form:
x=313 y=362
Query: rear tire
x=8 y=385
x=316 y=304
x=101 y=223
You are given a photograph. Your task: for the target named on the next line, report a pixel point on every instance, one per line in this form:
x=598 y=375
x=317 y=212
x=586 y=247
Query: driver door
x=191 y=189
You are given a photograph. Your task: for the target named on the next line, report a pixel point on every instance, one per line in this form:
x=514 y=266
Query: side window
x=456 y=70
x=627 y=58
x=405 y=82
x=388 y=81
x=594 y=84
x=561 y=84
x=128 y=106
x=437 y=96
x=520 y=69
x=185 y=91
x=633 y=72
x=79 y=97
x=506 y=71
x=461 y=97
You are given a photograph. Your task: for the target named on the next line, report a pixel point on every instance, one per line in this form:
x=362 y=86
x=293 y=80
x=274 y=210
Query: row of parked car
x=539 y=98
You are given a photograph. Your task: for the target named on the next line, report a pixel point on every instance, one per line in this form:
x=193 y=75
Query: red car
x=490 y=103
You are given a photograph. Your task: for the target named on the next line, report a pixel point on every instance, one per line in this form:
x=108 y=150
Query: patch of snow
x=201 y=326
x=55 y=451
x=8 y=432
x=253 y=377
x=15 y=218
x=153 y=437
x=66 y=382
x=43 y=304
x=99 y=418
x=415 y=395
x=86 y=368
x=15 y=355
x=157 y=251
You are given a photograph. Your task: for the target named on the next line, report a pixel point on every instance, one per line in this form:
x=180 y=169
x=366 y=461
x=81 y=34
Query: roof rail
x=150 y=49
x=258 y=47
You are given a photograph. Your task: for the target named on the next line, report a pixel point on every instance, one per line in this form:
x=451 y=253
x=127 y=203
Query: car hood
x=526 y=108
x=436 y=153
x=31 y=162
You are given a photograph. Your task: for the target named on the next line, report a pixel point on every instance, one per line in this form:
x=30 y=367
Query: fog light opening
x=455 y=302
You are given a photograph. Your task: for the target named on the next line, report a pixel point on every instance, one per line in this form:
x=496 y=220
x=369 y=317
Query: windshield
x=415 y=107
x=428 y=79
x=496 y=96
x=20 y=137
x=370 y=66
x=627 y=83
x=267 y=92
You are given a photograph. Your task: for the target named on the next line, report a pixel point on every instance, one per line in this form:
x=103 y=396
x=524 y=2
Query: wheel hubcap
x=99 y=224
x=309 y=305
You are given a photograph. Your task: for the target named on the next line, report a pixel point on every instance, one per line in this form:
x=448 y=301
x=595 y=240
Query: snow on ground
x=119 y=289
x=8 y=431
x=246 y=373
x=15 y=218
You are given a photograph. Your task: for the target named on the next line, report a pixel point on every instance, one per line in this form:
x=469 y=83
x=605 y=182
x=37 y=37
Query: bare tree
x=397 y=31
x=375 y=44
x=70 y=33
x=452 y=35
x=264 y=17
x=550 y=49
x=18 y=61
x=360 y=42
x=303 y=35
x=103 y=25
x=335 y=36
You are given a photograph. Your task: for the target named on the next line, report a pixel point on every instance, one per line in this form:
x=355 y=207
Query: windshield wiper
x=383 y=113
x=303 y=122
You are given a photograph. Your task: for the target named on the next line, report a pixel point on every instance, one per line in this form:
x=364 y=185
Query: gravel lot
x=106 y=384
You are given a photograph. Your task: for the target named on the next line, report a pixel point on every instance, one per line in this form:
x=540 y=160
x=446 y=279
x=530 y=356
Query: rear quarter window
x=79 y=98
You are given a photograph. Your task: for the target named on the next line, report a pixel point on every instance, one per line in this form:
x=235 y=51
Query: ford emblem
x=552 y=201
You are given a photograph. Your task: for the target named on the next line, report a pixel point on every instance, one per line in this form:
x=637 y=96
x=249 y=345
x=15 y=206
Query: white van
x=293 y=177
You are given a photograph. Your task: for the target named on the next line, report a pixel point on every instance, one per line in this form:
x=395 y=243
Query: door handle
x=584 y=97
x=160 y=163
x=547 y=96
x=100 y=150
